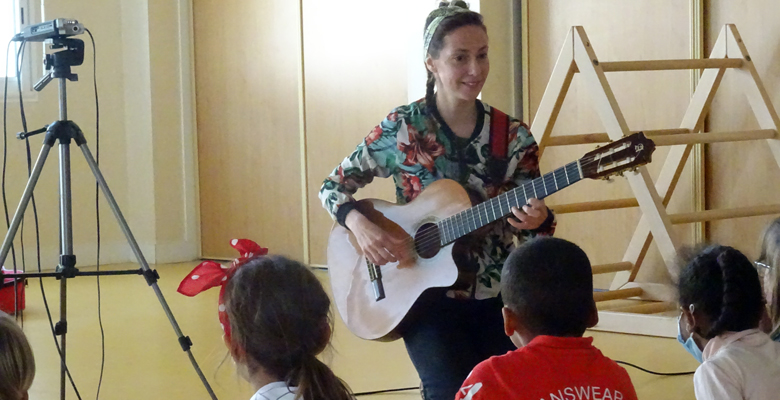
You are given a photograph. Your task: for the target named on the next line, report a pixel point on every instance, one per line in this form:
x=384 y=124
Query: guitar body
x=403 y=281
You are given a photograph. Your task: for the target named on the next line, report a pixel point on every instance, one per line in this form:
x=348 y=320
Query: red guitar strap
x=499 y=133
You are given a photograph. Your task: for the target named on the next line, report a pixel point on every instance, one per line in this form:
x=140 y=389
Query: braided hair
x=447 y=25
x=721 y=283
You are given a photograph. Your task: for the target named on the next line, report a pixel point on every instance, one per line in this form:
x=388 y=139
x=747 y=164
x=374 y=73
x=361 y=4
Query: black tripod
x=65 y=131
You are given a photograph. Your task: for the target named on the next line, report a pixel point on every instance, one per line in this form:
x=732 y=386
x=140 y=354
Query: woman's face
x=463 y=65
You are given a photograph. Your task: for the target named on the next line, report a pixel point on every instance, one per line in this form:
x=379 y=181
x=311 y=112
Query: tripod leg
x=151 y=276
x=67 y=259
x=19 y=214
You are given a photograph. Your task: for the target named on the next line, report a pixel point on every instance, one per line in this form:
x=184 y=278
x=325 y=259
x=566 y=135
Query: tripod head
x=58 y=63
x=61 y=61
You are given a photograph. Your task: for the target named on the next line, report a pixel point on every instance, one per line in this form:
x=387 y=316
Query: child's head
x=719 y=291
x=547 y=288
x=280 y=320
x=770 y=258
x=17 y=366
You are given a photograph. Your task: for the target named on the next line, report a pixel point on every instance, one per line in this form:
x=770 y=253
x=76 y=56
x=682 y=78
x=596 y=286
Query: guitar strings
x=430 y=237
x=425 y=237
x=502 y=199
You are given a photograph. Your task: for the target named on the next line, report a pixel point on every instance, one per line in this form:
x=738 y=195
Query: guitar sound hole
x=427 y=240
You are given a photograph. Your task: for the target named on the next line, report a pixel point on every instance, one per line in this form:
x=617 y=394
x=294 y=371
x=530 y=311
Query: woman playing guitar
x=448 y=134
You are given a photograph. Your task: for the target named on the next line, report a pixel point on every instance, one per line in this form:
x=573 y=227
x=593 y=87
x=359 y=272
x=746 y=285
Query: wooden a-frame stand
x=578 y=56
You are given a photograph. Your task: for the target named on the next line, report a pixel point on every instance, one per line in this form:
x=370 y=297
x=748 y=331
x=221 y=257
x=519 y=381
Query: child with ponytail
x=276 y=318
x=722 y=303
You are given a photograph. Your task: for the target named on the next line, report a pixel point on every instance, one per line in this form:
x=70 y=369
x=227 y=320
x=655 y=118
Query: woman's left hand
x=531 y=216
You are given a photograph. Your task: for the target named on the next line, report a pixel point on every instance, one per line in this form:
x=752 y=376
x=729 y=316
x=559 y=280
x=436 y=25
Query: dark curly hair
x=549 y=282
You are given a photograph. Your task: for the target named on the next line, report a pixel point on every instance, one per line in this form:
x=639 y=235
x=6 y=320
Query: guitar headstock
x=617 y=157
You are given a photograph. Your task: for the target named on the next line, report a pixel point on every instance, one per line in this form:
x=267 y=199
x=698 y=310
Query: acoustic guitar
x=374 y=300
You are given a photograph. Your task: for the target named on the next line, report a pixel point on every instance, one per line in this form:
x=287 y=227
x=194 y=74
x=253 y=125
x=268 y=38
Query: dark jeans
x=446 y=338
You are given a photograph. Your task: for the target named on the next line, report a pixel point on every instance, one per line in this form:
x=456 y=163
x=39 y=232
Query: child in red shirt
x=548 y=303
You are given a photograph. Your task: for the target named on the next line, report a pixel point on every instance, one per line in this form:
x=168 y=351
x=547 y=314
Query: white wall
x=146 y=132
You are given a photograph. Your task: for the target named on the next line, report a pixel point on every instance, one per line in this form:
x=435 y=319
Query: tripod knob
x=43 y=81
x=25 y=135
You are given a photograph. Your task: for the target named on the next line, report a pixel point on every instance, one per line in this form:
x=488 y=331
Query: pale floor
x=144 y=360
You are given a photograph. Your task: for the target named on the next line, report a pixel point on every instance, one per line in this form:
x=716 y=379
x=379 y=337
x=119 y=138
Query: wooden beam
x=637 y=324
x=654 y=291
x=594 y=206
x=663 y=65
x=669 y=137
x=609 y=268
x=554 y=94
x=649 y=307
x=714 y=137
x=714 y=215
x=617 y=294
x=589 y=138
x=755 y=91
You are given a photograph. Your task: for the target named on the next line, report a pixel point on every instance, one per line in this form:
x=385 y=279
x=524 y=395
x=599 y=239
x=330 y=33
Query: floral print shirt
x=405 y=147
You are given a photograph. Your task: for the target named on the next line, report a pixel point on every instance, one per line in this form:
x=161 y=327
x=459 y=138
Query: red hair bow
x=209 y=274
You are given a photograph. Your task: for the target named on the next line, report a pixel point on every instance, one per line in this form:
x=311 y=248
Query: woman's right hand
x=378 y=246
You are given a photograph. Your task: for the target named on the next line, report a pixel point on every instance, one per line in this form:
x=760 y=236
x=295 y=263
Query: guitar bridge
x=375 y=273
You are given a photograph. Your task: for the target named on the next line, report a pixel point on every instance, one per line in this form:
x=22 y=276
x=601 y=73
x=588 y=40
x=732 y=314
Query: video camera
x=54 y=29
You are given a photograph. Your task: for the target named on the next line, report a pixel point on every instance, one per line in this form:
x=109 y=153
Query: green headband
x=446 y=12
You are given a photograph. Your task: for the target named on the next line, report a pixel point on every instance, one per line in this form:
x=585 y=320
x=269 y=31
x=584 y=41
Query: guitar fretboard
x=491 y=210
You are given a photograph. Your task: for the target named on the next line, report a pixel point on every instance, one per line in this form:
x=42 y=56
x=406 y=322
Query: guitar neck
x=476 y=217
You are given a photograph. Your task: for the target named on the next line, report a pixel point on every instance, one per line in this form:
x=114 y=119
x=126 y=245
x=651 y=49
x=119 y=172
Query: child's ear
x=510 y=321
x=513 y=327
x=688 y=319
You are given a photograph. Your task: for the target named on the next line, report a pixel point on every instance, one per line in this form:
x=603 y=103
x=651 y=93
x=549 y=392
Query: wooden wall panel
x=744 y=173
x=618 y=31
x=247 y=62
x=356 y=65
x=500 y=89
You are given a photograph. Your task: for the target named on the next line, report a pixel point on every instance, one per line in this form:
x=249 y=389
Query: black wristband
x=547 y=222
x=341 y=213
